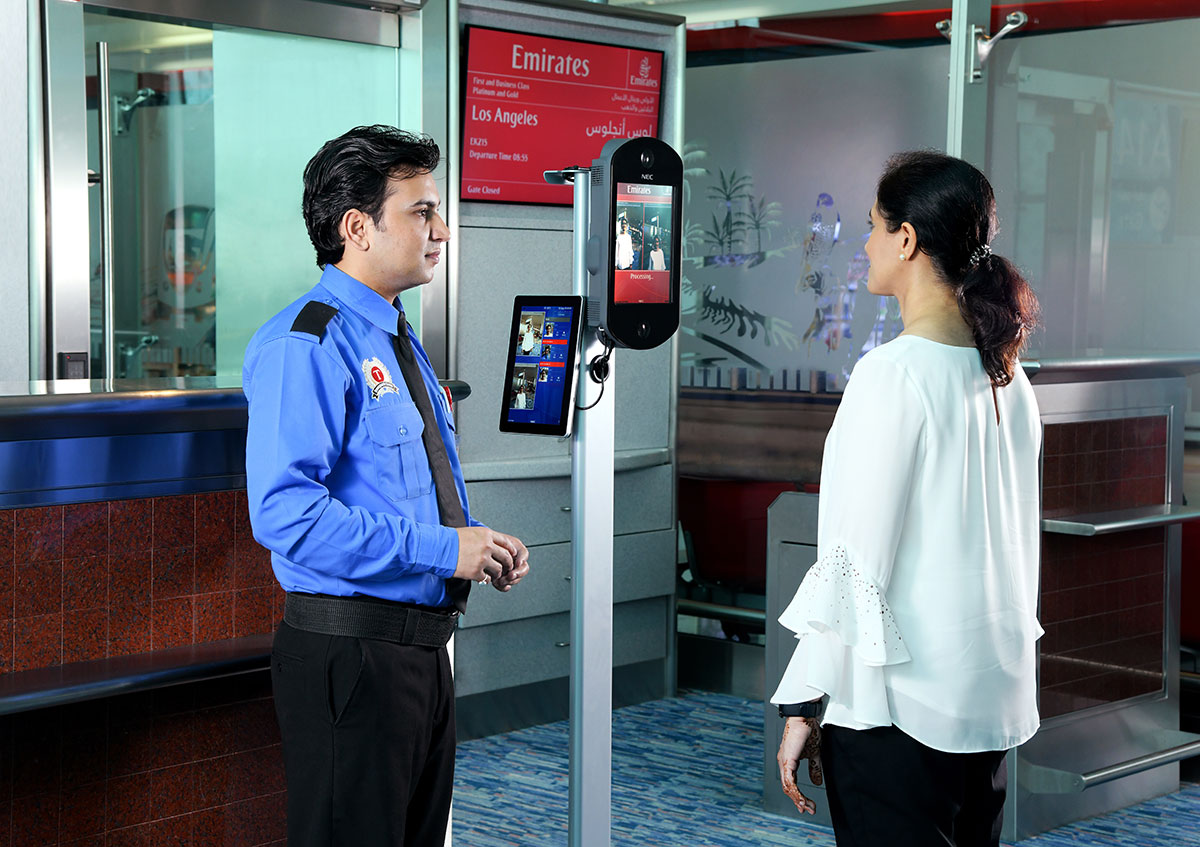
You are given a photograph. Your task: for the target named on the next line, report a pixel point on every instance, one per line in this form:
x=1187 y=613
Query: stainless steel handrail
x=1140 y=764
x=719 y=611
x=106 y=208
x=1039 y=779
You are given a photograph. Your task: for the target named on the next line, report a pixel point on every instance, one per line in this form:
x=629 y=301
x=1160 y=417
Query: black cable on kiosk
x=598 y=369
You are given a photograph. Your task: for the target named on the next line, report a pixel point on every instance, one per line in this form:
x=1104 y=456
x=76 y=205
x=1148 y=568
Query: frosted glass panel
x=1095 y=153
x=782 y=160
x=277 y=99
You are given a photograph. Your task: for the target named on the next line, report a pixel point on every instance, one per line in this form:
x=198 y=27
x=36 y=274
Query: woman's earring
x=901 y=257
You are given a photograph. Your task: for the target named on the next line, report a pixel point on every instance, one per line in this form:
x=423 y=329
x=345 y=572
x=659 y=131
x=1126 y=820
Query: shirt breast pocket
x=400 y=461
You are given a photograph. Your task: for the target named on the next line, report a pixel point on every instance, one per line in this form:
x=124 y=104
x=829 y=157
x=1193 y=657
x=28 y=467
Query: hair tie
x=978 y=255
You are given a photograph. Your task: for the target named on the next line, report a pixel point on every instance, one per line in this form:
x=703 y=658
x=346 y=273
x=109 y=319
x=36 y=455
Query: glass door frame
x=59 y=320
x=967 y=108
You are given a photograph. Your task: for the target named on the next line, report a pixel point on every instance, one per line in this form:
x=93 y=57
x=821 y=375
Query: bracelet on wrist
x=809 y=709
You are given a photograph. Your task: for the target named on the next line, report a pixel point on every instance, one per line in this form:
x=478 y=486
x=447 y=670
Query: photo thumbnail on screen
x=629 y=237
x=524 y=387
x=657 y=238
x=529 y=334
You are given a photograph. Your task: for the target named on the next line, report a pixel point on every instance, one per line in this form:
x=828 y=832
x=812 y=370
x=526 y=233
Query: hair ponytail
x=950 y=205
x=1001 y=309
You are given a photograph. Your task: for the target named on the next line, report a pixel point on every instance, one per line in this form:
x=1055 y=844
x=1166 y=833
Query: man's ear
x=355 y=230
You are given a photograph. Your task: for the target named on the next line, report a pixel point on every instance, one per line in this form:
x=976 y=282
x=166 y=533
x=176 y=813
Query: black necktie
x=449 y=506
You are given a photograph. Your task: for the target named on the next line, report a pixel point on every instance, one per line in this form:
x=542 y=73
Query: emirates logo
x=644 y=68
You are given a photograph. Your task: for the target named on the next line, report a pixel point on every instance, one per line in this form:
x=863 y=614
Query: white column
x=590 y=809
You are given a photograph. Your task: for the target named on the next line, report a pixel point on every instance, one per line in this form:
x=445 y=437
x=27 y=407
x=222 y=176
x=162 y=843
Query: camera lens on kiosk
x=647 y=158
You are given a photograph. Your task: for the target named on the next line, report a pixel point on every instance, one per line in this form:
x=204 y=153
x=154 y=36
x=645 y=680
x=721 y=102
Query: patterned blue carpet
x=686 y=772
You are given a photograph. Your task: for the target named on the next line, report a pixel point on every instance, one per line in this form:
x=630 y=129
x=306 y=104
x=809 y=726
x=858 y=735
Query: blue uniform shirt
x=339 y=486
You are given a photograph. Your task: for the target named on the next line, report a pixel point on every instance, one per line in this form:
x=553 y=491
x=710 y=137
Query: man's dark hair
x=352 y=172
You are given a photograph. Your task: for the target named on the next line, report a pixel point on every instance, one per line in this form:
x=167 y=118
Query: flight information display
x=532 y=104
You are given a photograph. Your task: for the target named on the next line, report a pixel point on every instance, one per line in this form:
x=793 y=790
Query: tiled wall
x=197 y=764
x=194 y=764
x=94 y=580
x=1102 y=597
x=1094 y=466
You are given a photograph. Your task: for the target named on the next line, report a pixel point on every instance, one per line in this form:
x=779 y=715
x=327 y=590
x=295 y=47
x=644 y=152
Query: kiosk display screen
x=642 y=253
x=539 y=385
x=533 y=103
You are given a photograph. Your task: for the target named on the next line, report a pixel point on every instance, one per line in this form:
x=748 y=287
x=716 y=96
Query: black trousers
x=368 y=740
x=886 y=789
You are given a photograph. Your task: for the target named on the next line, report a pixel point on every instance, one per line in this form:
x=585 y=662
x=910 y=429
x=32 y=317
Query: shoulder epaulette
x=314 y=318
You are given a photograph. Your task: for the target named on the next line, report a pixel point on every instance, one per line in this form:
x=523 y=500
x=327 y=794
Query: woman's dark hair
x=950 y=205
x=352 y=172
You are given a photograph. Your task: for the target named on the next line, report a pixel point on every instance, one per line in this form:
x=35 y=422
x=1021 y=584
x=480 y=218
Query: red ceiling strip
x=919 y=25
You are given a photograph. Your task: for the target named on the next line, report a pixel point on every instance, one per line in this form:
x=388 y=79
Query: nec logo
x=647 y=176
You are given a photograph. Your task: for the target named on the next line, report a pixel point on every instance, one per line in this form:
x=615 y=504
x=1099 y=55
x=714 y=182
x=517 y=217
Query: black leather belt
x=364 y=617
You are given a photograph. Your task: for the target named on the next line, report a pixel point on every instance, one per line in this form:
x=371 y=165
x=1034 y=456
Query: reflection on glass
x=1098 y=132
x=164 y=283
x=212 y=127
x=774 y=277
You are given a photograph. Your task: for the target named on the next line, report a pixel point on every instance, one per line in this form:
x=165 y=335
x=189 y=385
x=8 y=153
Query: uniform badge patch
x=378 y=378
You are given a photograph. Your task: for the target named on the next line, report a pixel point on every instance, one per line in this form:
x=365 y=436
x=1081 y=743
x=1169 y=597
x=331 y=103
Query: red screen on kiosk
x=642 y=252
x=533 y=104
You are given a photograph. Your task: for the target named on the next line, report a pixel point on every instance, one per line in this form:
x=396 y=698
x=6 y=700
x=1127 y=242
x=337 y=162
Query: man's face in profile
x=406 y=244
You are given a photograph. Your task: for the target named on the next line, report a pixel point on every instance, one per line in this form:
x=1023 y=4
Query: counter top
x=61 y=413
x=10 y=390
x=42 y=688
x=70 y=408
x=1103 y=366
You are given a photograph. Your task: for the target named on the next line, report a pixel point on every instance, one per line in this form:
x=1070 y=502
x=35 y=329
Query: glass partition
x=210 y=128
x=1095 y=151
x=281 y=98
x=161 y=144
x=1094 y=146
x=782 y=159
x=781 y=162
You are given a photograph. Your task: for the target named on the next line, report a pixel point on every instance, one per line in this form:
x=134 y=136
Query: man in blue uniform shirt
x=354 y=485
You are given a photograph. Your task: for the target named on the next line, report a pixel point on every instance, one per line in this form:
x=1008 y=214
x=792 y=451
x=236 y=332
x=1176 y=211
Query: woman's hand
x=801 y=740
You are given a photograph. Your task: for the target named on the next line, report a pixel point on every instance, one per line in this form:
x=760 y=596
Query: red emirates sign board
x=532 y=104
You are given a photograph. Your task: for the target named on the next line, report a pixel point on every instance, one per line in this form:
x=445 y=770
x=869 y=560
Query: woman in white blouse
x=624 y=247
x=658 y=259
x=916 y=627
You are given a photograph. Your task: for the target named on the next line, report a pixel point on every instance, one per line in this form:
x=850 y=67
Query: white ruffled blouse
x=920 y=610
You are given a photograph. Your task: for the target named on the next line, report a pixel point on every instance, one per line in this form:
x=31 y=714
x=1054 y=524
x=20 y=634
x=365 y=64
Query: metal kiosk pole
x=592 y=445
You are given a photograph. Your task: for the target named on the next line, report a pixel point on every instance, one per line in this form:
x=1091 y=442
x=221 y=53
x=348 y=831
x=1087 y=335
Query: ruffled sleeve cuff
x=836 y=599
x=846 y=636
